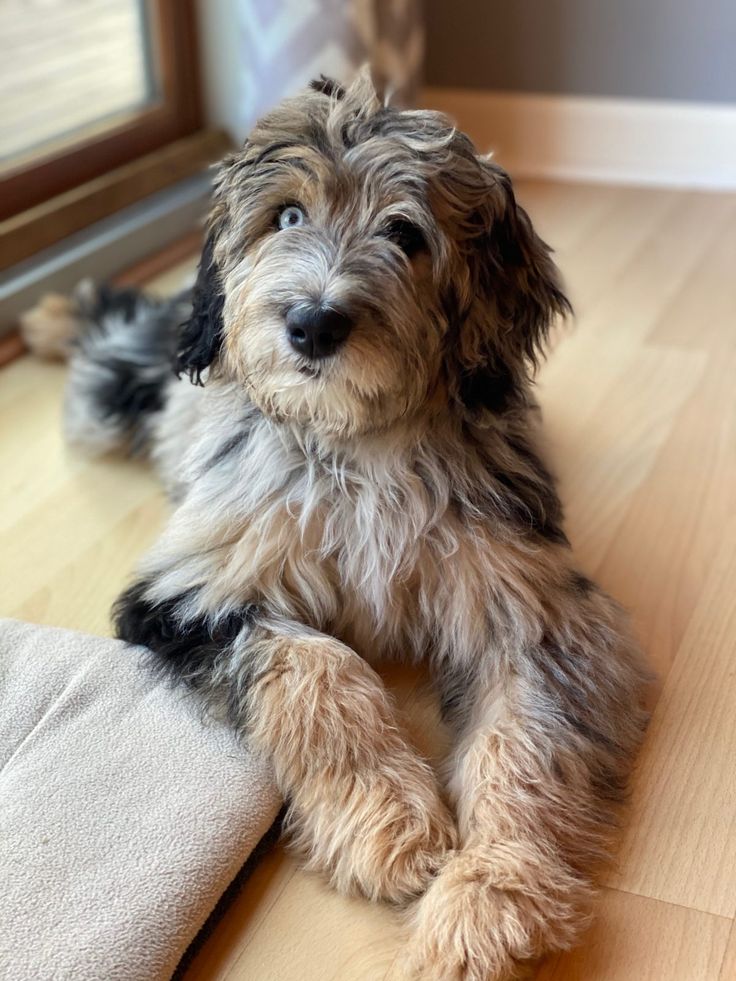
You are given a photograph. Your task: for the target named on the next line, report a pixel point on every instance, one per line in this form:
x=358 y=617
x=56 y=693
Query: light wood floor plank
x=30 y=437
x=691 y=490
x=321 y=937
x=79 y=514
x=703 y=312
x=628 y=307
x=23 y=376
x=728 y=968
x=567 y=215
x=657 y=272
x=223 y=955
x=599 y=259
x=636 y=939
x=96 y=576
x=604 y=461
x=680 y=845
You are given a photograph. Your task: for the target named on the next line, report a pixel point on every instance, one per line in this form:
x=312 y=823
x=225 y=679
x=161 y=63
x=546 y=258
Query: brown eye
x=291 y=216
x=407 y=236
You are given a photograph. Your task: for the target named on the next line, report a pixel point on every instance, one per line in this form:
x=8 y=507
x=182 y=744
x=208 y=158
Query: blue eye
x=291 y=217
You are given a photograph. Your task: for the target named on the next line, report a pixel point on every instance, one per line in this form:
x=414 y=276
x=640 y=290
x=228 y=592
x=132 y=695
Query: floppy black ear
x=516 y=268
x=201 y=336
x=516 y=296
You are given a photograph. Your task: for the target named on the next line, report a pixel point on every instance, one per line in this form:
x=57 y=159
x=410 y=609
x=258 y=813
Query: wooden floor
x=640 y=404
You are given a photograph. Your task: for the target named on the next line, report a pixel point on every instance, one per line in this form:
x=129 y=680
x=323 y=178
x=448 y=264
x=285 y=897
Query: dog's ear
x=201 y=336
x=516 y=295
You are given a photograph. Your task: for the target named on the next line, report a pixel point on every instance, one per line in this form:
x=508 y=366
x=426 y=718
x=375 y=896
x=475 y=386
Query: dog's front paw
x=485 y=918
x=402 y=847
x=379 y=835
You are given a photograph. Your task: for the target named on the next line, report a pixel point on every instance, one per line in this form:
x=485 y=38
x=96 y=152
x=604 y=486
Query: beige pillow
x=123 y=813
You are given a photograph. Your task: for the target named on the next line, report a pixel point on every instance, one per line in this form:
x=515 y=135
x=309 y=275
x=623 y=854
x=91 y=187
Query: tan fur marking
x=50 y=327
x=364 y=807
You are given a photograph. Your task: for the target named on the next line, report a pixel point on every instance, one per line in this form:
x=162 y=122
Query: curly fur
x=388 y=501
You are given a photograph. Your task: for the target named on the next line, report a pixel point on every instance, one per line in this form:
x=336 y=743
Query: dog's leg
x=363 y=807
x=546 y=743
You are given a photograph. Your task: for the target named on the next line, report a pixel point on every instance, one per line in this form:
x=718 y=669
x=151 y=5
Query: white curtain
x=282 y=44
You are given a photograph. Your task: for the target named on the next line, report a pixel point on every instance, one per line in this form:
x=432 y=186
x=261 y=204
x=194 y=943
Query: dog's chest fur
x=373 y=549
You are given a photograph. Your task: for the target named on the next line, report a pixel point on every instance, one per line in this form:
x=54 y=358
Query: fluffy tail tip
x=51 y=327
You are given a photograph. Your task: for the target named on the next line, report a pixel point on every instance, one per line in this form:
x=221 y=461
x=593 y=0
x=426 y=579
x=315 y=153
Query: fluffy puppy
x=356 y=479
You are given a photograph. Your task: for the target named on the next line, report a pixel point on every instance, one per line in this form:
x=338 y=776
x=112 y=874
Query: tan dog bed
x=123 y=813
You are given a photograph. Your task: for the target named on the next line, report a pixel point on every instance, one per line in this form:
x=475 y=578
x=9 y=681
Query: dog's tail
x=121 y=345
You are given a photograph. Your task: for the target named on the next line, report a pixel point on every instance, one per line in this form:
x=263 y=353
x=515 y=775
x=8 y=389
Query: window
x=88 y=86
x=68 y=70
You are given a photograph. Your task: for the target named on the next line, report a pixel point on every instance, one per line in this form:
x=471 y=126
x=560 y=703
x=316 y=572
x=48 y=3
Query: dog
x=356 y=478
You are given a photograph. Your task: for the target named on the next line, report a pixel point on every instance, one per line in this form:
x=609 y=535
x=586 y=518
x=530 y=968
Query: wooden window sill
x=27 y=233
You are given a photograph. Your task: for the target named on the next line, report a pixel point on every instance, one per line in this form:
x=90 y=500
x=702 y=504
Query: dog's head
x=363 y=263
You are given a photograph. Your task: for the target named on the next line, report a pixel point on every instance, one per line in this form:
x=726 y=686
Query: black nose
x=317 y=332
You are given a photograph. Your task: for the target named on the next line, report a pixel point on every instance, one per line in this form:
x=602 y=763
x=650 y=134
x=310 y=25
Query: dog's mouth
x=309 y=370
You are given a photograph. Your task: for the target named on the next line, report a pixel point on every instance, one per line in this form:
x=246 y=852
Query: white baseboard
x=623 y=141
